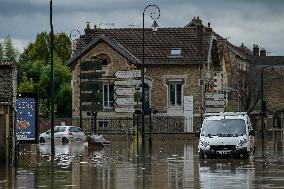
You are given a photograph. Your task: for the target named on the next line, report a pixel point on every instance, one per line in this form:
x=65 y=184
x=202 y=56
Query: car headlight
x=204 y=143
x=242 y=142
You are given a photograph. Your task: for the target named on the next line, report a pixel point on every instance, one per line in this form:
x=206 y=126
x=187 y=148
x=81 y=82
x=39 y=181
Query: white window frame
x=175 y=106
x=108 y=106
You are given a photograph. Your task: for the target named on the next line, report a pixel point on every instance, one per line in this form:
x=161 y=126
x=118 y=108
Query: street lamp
x=154 y=17
x=74 y=35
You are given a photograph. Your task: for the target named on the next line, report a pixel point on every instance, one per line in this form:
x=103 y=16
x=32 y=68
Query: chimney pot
x=208 y=24
x=262 y=52
x=255 y=50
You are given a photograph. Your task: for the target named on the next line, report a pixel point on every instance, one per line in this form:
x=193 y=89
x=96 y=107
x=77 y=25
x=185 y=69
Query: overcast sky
x=241 y=21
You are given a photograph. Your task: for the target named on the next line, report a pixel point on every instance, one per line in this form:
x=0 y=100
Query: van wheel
x=65 y=140
x=41 y=140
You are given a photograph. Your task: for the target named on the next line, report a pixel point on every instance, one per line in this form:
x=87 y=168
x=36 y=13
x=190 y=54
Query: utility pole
x=52 y=83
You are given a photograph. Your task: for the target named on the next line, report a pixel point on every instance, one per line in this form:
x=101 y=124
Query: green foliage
x=27 y=85
x=1 y=52
x=10 y=52
x=39 y=50
x=34 y=63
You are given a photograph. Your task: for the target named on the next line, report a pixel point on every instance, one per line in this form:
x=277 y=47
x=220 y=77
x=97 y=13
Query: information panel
x=27 y=118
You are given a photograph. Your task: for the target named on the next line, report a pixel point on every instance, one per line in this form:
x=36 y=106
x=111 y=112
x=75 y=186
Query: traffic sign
x=125 y=91
x=128 y=82
x=213 y=110
x=124 y=101
x=127 y=74
x=127 y=109
x=214 y=103
x=215 y=96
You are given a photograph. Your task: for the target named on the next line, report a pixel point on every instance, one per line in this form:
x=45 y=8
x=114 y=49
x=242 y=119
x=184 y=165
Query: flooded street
x=167 y=164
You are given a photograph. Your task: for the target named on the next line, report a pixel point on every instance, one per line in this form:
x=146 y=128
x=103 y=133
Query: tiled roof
x=193 y=40
x=268 y=60
x=114 y=44
x=7 y=63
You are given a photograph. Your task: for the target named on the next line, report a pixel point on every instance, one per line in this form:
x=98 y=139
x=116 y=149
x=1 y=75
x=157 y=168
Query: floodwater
x=123 y=165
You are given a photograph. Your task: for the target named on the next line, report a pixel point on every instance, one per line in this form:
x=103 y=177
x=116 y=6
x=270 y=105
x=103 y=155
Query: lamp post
x=154 y=17
x=74 y=35
x=263 y=103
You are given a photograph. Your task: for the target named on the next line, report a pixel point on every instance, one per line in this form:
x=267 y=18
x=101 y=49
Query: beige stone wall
x=117 y=63
x=274 y=92
x=158 y=73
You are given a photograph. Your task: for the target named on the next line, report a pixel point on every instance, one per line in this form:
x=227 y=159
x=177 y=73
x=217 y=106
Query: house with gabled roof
x=179 y=62
x=8 y=79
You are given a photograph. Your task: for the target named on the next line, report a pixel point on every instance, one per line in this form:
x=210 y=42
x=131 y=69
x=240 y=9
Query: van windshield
x=224 y=127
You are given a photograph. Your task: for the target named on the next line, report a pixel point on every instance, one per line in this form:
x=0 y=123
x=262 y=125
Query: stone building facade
x=8 y=81
x=176 y=63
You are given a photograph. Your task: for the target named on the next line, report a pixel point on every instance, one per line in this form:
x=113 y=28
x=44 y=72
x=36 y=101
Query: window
x=103 y=124
x=176 y=51
x=175 y=93
x=108 y=93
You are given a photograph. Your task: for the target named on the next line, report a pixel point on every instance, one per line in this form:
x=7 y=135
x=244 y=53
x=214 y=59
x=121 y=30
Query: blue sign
x=26 y=126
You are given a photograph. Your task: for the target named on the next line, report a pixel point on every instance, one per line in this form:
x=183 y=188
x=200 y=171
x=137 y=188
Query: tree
x=248 y=87
x=39 y=50
x=1 y=52
x=10 y=52
x=27 y=85
x=62 y=88
x=34 y=63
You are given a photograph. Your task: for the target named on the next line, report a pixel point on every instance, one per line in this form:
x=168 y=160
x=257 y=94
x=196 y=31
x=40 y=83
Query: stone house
x=185 y=61
x=243 y=63
x=8 y=79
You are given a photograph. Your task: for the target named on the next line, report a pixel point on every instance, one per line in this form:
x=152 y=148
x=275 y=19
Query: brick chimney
x=262 y=52
x=255 y=50
x=88 y=32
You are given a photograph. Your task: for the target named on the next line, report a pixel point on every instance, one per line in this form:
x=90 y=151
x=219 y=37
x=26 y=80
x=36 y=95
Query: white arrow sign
x=214 y=103
x=127 y=82
x=215 y=96
x=125 y=91
x=126 y=74
x=129 y=109
x=124 y=101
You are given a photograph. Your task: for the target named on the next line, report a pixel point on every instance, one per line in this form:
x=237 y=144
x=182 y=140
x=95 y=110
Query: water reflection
x=227 y=173
x=164 y=165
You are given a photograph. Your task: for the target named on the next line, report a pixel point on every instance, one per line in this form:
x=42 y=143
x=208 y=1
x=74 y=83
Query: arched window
x=105 y=59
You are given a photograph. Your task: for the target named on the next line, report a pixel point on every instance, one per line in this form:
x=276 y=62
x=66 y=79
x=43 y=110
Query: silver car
x=63 y=134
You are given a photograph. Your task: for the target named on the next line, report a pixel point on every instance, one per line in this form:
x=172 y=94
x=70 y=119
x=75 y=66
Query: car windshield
x=224 y=127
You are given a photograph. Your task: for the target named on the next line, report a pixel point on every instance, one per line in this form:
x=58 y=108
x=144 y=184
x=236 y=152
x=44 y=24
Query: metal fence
x=153 y=124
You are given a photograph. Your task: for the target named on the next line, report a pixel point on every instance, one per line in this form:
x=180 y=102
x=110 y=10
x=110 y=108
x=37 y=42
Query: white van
x=226 y=134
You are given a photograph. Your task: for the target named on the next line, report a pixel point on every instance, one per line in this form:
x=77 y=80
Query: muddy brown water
x=122 y=165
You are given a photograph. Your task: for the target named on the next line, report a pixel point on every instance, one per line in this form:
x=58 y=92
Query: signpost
x=124 y=101
x=214 y=102
x=124 y=91
x=125 y=109
x=125 y=88
x=127 y=74
x=127 y=82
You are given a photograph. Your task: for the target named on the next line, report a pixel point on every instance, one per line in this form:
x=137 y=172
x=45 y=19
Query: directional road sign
x=214 y=103
x=127 y=74
x=215 y=96
x=127 y=109
x=124 y=101
x=128 y=82
x=125 y=91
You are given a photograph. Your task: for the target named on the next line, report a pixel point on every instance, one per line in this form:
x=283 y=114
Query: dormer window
x=175 y=52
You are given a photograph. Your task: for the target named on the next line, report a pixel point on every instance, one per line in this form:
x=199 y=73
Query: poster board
x=27 y=118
